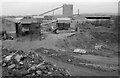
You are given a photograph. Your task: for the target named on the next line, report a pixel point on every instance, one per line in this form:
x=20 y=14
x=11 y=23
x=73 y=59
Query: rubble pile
x=18 y=63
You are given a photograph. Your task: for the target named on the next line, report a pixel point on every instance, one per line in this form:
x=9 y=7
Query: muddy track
x=77 y=70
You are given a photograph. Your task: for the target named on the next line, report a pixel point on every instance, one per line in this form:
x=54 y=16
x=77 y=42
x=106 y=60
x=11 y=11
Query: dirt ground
x=0 y=58
x=50 y=42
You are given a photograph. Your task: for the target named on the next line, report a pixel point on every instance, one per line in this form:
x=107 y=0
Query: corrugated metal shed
x=8 y=24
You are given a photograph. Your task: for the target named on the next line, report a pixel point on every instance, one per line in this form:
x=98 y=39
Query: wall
x=8 y=26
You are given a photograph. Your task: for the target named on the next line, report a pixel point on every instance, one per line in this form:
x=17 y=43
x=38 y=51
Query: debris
x=62 y=50
x=69 y=60
x=97 y=47
x=46 y=51
x=55 y=65
x=49 y=72
x=32 y=64
x=21 y=62
x=39 y=72
x=7 y=58
x=4 y=64
x=11 y=66
x=54 y=54
x=18 y=57
x=79 y=51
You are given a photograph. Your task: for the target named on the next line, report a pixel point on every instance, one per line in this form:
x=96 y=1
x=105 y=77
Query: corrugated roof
x=38 y=16
x=28 y=20
x=18 y=18
x=24 y=20
x=63 y=19
x=49 y=22
x=15 y=20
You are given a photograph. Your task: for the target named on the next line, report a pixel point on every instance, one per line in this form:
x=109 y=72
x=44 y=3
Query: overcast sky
x=38 y=7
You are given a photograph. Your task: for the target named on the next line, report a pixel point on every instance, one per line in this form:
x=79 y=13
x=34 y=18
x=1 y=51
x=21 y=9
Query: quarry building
x=61 y=22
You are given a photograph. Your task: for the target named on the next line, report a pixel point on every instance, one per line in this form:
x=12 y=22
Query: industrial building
x=20 y=26
x=55 y=22
x=11 y=24
x=63 y=23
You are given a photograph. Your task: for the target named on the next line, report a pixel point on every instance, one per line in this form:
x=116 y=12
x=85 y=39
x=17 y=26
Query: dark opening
x=16 y=27
x=98 y=17
x=63 y=26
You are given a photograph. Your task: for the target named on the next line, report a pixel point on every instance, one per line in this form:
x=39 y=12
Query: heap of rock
x=21 y=63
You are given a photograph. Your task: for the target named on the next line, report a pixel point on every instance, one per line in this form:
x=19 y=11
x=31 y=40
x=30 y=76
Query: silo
x=67 y=10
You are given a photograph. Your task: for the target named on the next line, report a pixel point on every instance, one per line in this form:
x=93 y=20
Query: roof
x=63 y=19
x=23 y=20
x=18 y=18
x=28 y=20
x=38 y=16
x=49 y=22
x=98 y=16
x=15 y=20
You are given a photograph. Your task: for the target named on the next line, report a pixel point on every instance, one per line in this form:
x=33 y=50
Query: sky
x=36 y=7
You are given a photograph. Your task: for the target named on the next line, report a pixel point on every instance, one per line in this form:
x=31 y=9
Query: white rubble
x=38 y=72
x=98 y=47
x=7 y=58
x=79 y=51
x=18 y=57
x=11 y=66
